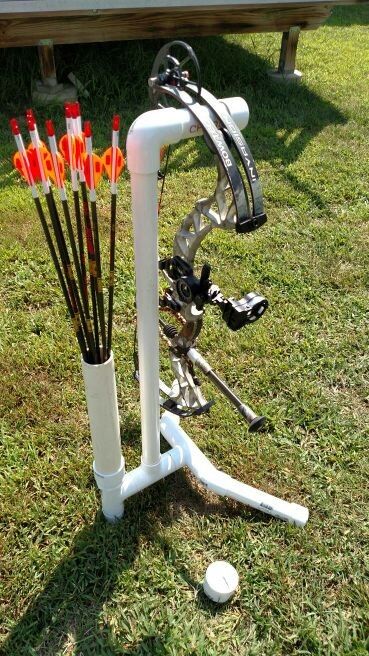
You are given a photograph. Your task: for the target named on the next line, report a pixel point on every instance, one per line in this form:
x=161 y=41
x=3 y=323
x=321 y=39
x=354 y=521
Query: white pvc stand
x=147 y=135
x=102 y=406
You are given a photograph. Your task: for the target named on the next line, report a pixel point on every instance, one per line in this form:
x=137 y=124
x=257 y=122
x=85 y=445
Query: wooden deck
x=27 y=22
x=48 y=22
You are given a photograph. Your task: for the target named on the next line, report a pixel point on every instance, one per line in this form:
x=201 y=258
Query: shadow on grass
x=351 y=15
x=283 y=118
x=70 y=605
x=69 y=609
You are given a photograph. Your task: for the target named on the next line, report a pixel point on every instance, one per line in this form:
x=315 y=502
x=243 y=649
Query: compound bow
x=236 y=204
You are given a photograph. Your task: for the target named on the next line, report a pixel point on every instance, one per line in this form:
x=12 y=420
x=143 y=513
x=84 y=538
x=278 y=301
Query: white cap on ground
x=221 y=581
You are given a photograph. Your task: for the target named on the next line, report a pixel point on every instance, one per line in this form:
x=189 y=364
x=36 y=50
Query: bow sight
x=188 y=294
x=236 y=204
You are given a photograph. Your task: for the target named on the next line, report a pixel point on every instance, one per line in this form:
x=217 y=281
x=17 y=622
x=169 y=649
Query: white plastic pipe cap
x=221 y=581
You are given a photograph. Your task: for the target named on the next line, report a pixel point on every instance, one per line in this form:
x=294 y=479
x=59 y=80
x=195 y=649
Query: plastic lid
x=221 y=581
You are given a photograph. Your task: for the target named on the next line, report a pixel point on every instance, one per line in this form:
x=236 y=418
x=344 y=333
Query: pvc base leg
x=224 y=485
x=142 y=477
x=112 y=506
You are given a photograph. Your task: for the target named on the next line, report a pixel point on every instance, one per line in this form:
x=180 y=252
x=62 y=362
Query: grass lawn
x=74 y=585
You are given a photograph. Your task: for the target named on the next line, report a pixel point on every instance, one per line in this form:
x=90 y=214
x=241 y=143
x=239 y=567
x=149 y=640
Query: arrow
x=58 y=176
x=92 y=166
x=79 y=148
x=27 y=174
x=113 y=162
x=67 y=147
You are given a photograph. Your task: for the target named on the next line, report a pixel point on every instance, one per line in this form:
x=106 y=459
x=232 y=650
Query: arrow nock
x=14 y=126
x=87 y=129
x=116 y=123
x=68 y=110
x=50 y=130
x=31 y=124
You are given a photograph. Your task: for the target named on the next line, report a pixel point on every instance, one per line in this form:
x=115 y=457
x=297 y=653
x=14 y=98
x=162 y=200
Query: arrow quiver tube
x=236 y=204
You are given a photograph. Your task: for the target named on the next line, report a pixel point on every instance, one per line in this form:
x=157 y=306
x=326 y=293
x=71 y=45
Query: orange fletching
x=78 y=148
x=107 y=159
x=64 y=148
x=18 y=163
x=31 y=146
x=48 y=165
x=78 y=151
x=97 y=168
x=21 y=166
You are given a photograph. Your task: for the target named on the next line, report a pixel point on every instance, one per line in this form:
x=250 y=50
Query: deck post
x=48 y=89
x=47 y=62
x=286 y=71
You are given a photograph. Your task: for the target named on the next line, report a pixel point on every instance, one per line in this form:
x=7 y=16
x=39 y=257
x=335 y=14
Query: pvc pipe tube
x=145 y=226
x=161 y=127
x=225 y=485
x=141 y=477
x=147 y=134
x=102 y=406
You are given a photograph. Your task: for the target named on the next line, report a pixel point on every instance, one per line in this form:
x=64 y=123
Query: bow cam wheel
x=174 y=65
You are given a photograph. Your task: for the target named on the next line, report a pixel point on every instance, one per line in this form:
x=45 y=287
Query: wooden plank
x=36 y=7
x=154 y=23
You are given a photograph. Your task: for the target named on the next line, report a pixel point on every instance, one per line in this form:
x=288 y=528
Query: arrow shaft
x=74 y=316
x=92 y=264
x=99 y=286
x=113 y=211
